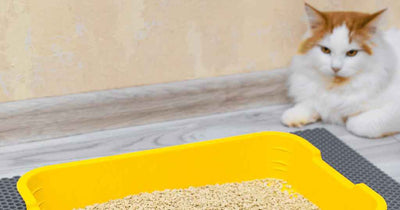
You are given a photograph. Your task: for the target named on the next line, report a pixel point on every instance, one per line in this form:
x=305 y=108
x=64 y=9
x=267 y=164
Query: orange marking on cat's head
x=361 y=27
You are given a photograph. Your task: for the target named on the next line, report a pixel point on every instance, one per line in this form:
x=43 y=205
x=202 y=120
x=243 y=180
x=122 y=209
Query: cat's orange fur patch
x=301 y=123
x=345 y=118
x=388 y=134
x=338 y=81
x=360 y=27
x=297 y=124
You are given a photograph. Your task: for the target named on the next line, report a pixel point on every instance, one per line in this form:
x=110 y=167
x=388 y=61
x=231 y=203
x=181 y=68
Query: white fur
x=370 y=100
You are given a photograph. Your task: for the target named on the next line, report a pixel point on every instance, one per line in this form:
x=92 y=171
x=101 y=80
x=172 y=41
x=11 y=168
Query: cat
x=347 y=72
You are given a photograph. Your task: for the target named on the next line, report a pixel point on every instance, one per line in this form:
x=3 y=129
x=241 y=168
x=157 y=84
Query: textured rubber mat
x=341 y=157
x=353 y=166
x=9 y=196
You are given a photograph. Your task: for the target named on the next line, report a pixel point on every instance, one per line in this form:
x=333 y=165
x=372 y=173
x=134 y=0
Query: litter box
x=234 y=159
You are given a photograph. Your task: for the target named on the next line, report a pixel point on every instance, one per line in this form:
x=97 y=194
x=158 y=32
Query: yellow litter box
x=234 y=159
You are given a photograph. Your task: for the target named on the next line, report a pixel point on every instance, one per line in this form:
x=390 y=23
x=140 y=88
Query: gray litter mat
x=9 y=196
x=341 y=157
x=353 y=166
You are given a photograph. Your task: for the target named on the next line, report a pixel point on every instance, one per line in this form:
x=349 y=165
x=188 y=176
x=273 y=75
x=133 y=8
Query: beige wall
x=56 y=47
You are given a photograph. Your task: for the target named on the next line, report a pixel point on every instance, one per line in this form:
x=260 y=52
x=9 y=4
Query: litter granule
x=257 y=194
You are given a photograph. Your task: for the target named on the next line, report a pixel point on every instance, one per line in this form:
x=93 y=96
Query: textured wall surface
x=57 y=47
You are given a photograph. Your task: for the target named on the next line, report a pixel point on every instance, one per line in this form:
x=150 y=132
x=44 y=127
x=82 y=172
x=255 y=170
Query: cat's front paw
x=363 y=128
x=299 y=116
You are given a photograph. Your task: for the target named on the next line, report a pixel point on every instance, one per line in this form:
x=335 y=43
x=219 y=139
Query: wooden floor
x=18 y=159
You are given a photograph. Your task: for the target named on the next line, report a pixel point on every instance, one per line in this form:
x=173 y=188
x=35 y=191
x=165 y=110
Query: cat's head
x=340 y=43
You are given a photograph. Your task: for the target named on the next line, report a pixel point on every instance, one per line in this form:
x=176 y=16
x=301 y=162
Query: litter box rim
x=33 y=204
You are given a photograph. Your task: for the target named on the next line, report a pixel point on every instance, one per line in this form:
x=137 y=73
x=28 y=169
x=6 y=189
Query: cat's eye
x=352 y=53
x=325 y=50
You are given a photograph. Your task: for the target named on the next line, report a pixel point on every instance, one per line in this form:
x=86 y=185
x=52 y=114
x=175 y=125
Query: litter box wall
x=57 y=47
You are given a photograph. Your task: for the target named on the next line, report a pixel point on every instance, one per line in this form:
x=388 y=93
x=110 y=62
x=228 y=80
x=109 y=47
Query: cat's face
x=339 y=43
x=334 y=55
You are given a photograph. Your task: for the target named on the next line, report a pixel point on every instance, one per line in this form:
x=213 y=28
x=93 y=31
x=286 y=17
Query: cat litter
x=257 y=194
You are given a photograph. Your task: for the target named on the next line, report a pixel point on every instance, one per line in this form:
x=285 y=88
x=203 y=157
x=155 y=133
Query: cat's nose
x=335 y=69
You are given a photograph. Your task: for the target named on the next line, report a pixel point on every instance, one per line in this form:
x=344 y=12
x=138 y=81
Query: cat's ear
x=315 y=17
x=374 y=21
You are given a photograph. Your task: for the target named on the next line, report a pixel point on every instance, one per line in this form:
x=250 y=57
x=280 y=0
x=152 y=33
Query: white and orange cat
x=347 y=72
